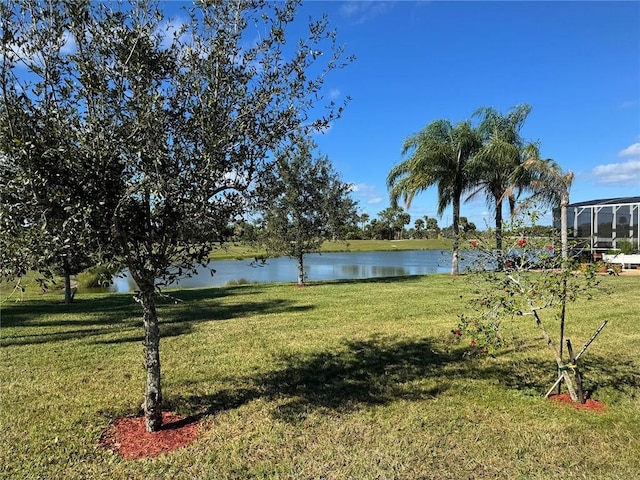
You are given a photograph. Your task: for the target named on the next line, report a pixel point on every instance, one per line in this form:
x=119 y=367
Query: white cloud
x=362 y=188
x=627 y=104
x=334 y=93
x=362 y=11
x=632 y=150
x=16 y=53
x=69 y=44
x=367 y=193
x=625 y=173
x=172 y=28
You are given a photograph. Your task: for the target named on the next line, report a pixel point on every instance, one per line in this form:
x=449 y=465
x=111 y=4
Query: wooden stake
x=576 y=372
x=563 y=372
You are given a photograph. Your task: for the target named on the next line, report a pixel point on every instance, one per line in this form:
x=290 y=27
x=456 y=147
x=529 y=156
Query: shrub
x=627 y=248
x=95 y=277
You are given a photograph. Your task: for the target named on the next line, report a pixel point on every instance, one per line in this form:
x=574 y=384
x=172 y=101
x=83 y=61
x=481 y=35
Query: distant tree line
x=392 y=223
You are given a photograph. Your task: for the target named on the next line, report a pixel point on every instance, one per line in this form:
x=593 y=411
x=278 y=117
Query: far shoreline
x=241 y=251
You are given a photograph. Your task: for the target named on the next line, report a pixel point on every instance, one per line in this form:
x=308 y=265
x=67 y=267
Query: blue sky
x=576 y=63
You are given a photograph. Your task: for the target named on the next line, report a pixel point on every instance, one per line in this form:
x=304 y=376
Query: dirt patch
x=128 y=436
x=592 y=405
x=630 y=272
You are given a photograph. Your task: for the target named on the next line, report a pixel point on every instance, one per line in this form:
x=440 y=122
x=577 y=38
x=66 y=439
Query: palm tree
x=364 y=218
x=497 y=165
x=551 y=185
x=419 y=226
x=438 y=155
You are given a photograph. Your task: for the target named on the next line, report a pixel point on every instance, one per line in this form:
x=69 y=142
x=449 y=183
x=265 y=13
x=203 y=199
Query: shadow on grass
x=380 y=371
x=36 y=313
x=112 y=305
x=372 y=372
x=536 y=376
x=118 y=319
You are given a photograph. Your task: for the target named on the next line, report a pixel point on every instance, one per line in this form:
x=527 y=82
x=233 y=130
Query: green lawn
x=339 y=380
x=231 y=251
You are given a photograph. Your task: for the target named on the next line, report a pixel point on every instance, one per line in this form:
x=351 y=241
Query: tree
x=303 y=202
x=391 y=222
x=364 y=218
x=180 y=124
x=551 y=185
x=377 y=230
x=342 y=210
x=52 y=194
x=513 y=291
x=419 y=226
x=432 y=226
x=403 y=219
x=496 y=166
x=466 y=225
x=438 y=155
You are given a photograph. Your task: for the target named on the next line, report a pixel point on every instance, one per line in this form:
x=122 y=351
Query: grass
x=357 y=379
x=233 y=251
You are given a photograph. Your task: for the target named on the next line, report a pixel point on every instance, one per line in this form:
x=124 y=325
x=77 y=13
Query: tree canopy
x=438 y=155
x=496 y=168
x=304 y=203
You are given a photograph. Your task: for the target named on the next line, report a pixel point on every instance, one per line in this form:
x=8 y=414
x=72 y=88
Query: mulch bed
x=592 y=405
x=129 y=438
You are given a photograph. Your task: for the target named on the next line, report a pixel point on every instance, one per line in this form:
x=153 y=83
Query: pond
x=324 y=266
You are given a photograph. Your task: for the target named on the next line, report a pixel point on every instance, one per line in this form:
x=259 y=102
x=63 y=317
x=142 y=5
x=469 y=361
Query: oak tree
x=304 y=203
x=175 y=118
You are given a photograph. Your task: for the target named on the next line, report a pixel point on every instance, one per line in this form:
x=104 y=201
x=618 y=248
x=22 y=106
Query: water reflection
x=325 y=266
x=370 y=271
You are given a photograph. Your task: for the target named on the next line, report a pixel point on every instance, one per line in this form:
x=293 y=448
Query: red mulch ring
x=128 y=436
x=591 y=405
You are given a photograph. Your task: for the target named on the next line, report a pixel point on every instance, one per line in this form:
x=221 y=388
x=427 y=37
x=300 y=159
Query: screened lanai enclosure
x=602 y=225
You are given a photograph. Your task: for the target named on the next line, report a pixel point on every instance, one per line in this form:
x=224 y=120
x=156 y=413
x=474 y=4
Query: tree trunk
x=300 y=270
x=564 y=240
x=498 y=220
x=68 y=294
x=563 y=315
x=153 y=392
x=512 y=206
x=576 y=373
x=456 y=236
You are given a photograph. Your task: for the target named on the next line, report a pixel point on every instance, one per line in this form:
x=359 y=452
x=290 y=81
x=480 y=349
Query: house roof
x=607 y=201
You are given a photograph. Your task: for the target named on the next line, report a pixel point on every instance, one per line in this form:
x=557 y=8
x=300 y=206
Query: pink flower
x=522 y=242
x=473 y=343
x=474 y=243
x=550 y=248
